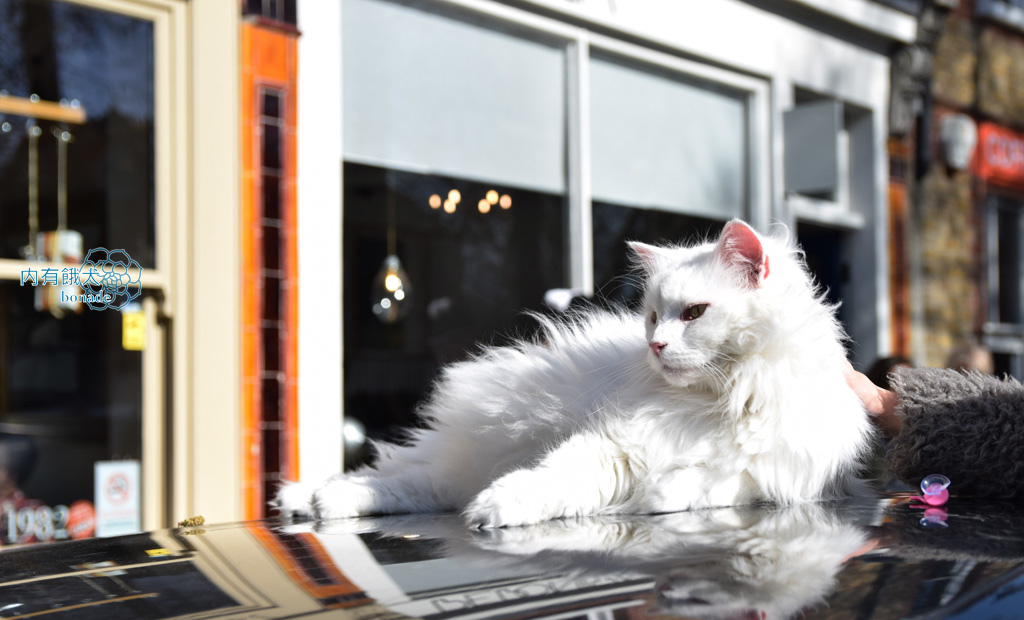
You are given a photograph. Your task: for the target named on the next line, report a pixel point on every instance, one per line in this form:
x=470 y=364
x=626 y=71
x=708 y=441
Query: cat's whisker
x=631 y=279
x=714 y=374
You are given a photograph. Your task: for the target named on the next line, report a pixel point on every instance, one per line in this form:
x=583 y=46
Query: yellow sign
x=133 y=331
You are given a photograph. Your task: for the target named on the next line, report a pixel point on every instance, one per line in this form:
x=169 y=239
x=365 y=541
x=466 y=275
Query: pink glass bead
x=935 y=489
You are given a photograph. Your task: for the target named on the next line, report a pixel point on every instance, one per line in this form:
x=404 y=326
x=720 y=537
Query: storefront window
x=70 y=396
x=471 y=269
x=70 y=385
x=455 y=183
x=101 y=63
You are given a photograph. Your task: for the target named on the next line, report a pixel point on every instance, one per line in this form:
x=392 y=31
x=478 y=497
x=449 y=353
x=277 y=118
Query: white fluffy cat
x=735 y=395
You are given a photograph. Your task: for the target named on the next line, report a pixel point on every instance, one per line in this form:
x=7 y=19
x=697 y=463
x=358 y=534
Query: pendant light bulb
x=391 y=290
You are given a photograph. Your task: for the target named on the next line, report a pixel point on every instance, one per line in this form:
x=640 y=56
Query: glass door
x=81 y=356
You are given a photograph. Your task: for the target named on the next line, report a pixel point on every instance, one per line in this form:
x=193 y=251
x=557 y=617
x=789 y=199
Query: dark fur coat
x=967 y=426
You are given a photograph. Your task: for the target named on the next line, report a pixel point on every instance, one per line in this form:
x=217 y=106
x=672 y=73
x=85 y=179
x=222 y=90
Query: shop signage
x=1000 y=157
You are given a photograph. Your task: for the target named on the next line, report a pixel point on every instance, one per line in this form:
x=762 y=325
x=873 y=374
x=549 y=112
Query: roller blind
x=456 y=95
x=662 y=141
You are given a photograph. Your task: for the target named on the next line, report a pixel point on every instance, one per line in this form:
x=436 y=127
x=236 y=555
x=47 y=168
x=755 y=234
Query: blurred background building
x=957 y=180
x=329 y=200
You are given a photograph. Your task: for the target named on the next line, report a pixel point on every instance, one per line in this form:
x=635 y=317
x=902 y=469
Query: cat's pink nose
x=657 y=347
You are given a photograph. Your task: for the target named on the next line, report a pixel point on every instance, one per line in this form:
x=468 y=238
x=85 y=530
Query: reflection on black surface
x=850 y=559
x=168 y=591
x=725 y=563
x=128 y=577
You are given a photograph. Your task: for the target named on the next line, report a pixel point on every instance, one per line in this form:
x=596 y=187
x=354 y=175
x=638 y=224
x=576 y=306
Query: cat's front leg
x=344 y=496
x=585 y=475
x=336 y=498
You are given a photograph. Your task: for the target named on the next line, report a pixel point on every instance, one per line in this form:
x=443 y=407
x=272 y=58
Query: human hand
x=879 y=403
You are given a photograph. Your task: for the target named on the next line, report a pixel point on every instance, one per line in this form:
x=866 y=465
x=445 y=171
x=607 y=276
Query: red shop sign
x=1000 y=156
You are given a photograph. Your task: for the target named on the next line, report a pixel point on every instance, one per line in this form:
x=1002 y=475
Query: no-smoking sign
x=118 y=489
x=117 y=498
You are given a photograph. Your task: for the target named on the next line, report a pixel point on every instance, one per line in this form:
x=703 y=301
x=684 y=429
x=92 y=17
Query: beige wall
x=207 y=465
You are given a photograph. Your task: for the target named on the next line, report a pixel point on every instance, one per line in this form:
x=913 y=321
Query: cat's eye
x=694 y=312
x=653 y=317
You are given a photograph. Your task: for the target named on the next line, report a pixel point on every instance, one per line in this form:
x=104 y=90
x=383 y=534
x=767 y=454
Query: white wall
x=319 y=234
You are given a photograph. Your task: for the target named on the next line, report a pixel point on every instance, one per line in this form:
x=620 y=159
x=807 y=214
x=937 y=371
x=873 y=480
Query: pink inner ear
x=648 y=255
x=739 y=246
x=645 y=252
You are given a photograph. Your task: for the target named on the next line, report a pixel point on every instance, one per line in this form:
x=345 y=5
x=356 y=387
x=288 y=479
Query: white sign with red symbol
x=118 y=498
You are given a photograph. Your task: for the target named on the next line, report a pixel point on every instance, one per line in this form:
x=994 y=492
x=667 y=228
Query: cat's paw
x=294 y=500
x=515 y=499
x=342 y=498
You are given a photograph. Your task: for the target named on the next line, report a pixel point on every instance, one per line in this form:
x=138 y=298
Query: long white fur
x=747 y=403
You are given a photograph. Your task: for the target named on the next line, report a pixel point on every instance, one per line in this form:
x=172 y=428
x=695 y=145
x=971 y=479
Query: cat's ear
x=740 y=248
x=649 y=257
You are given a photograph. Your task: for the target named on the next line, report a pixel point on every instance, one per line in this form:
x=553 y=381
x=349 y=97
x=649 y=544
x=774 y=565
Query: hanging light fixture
x=391 y=287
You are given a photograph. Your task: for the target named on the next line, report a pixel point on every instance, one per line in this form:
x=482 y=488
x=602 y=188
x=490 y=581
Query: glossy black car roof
x=878 y=558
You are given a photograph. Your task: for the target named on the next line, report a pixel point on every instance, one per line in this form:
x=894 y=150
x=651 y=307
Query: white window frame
x=579 y=44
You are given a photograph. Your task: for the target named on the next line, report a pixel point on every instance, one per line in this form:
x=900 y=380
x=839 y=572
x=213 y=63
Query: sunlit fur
x=746 y=403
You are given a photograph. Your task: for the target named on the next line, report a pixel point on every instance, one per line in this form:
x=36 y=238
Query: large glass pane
x=470 y=276
x=663 y=141
x=70 y=396
x=453 y=94
x=70 y=390
x=455 y=150
x=104 y=61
